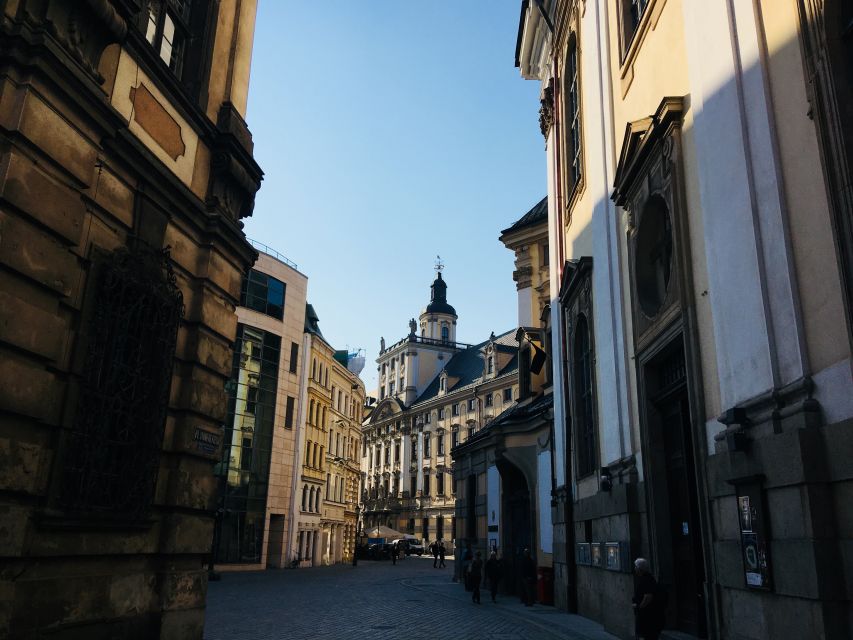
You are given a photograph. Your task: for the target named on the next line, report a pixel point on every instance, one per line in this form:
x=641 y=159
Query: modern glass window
x=584 y=399
x=248 y=443
x=263 y=293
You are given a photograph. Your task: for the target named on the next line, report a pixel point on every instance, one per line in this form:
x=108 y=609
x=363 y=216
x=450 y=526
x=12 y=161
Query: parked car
x=413 y=545
x=379 y=551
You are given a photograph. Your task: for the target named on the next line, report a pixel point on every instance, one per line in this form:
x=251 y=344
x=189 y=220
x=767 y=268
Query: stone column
x=420 y=486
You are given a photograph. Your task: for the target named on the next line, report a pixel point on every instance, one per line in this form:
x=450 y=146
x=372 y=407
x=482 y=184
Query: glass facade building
x=243 y=472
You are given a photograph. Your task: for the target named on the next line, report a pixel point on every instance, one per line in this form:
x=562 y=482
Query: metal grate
x=111 y=462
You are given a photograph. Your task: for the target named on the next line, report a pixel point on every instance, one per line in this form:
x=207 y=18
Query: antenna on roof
x=439 y=265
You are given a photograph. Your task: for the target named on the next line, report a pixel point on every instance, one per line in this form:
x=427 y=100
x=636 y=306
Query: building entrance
x=517 y=526
x=680 y=540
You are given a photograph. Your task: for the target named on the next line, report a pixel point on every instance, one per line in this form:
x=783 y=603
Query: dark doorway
x=679 y=534
x=516 y=525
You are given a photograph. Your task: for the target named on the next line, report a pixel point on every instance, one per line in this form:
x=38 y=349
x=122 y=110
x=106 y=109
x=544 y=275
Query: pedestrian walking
x=475 y=575
x=435 y=551
x=528 y=579
x=649 y=602
x=467 y=559
x=441 y=553
x=493 y=571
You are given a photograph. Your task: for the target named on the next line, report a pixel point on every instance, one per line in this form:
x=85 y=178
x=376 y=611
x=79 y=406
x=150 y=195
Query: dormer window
x=490 y=365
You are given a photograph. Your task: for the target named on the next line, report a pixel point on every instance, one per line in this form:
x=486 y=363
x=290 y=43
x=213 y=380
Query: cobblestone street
x=376 y=600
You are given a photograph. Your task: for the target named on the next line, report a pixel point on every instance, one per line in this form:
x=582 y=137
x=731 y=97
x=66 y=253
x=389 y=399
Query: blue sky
x=389 y=133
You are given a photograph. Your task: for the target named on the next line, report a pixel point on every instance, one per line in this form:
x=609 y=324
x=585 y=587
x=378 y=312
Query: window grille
x=584 y=399
x=113 y=451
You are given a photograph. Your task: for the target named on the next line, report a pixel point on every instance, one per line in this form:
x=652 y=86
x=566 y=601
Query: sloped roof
x=467 y=365
x=312 y=321
x=539 y=213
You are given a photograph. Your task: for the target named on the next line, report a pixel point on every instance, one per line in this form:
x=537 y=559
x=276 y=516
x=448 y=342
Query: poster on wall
x=753 y=536
x=596 y=554
x=583 y=553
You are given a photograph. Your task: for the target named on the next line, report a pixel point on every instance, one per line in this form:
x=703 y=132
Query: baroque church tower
x=408 y=366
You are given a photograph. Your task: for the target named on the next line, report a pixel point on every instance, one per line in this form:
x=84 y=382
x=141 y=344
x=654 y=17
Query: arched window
x=317 y=502
x=584 y=398
x=314 y=369
x=311 y=412
x=573 y=118
x=304 y=497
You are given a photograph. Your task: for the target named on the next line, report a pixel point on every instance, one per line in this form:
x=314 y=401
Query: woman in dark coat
x=493 y=574
x=476 y=574
x=649 y=605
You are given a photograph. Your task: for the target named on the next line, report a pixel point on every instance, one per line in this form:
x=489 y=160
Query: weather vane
x=439 y=265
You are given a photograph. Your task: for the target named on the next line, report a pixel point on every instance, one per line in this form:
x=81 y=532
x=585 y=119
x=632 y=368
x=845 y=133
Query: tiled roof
x=467 y=365
x=537 y=214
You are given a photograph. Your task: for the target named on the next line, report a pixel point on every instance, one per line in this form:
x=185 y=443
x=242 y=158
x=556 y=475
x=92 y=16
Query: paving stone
x=376 y=600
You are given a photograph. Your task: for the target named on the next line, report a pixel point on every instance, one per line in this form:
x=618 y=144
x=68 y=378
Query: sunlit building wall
x=255 y=474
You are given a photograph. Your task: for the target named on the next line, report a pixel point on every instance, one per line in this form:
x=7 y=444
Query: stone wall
x=74 y=187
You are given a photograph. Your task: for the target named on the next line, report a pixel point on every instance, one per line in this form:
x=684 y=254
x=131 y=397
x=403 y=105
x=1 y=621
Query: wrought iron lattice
x=111 y=462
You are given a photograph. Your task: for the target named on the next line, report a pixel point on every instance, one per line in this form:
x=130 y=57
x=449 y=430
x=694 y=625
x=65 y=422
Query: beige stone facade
x=700 y=239
x=342 y=456
x=324 y=525
x=114 y=353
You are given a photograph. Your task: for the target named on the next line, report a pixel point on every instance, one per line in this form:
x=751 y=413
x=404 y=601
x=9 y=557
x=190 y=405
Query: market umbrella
x=383 y=532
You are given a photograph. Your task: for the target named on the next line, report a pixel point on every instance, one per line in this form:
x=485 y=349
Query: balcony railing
x=260 y=246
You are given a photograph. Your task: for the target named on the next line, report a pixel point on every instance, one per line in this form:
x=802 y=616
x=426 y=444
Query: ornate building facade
x=323 y=528
x=127 y=167
x=700 y=307
x=434 y=394
x=503 y=474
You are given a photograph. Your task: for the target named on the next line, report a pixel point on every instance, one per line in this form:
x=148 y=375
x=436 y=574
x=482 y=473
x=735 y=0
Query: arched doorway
x=517 y=523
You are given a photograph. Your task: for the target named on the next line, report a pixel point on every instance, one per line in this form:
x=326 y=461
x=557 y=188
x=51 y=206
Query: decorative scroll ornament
x=546 y=110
